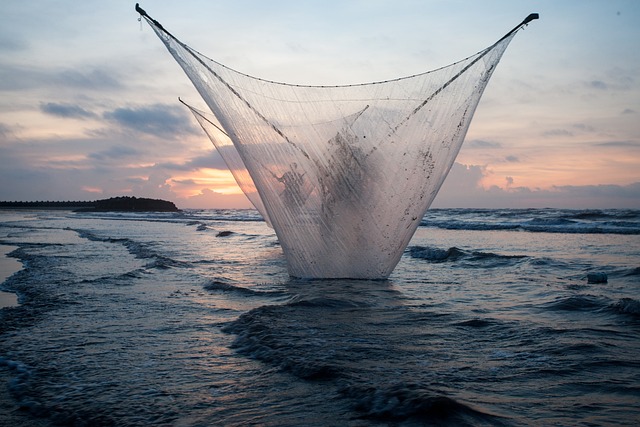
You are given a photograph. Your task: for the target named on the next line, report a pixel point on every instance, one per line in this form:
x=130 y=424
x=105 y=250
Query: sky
x=89 y=108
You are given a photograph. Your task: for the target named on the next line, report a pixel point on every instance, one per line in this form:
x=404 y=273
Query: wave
x=429 y=253
x=325 y=302
x=29 y=401
x=567 y=227
x=536 y=220
x=138 y=249
x=21 y=374
x=240 y=215
x=135 y=216
x=264 y=334
x=201 y=226
x=591 y=221
x=476 y=323
x=402 y=402
x=359 y=348
x=627 y=306
x=632 y=272
x=220 y=285
x=578 y=303
x=120 y=279
x=484 y=259
x=590 y=303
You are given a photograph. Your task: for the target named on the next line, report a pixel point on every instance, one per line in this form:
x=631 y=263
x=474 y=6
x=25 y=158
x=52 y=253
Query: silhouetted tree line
x=124 y=203
x=134 y=204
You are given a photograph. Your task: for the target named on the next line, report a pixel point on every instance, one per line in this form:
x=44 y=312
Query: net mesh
x=344 y=174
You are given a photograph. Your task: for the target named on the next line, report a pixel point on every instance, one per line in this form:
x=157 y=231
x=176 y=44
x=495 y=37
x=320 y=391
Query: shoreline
x=8 y=266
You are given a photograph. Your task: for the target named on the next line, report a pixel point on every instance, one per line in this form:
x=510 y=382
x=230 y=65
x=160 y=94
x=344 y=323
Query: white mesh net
x=343 y=174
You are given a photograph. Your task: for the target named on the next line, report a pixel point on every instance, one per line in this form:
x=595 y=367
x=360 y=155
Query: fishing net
x=344 y=174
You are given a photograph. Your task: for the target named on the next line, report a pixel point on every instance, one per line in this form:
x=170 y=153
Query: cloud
x=10 y=44
x=463 y=188
x=185 y=181
x=465 y=176
x=624 y=144
x=158 y=119
x=556 y=132
x=115 y=152
x=598 y=84
x=211 y=160
x=156 y=185
x=583 y=127
x=94 y=78
x=4 y=130
x=478 y=143
x=66 y=110
x=631 y=191
x=14 y=78
x=208 y=198
x=512 y=159
x=613 y=79
x=21 y=181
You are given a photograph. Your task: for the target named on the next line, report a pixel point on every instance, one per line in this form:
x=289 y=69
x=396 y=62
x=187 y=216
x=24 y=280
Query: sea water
x=190 y=319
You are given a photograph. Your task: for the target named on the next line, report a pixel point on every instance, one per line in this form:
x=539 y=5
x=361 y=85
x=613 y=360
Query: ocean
x=492 y=317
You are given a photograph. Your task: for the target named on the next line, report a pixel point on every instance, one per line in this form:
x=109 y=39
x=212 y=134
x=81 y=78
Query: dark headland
x=114 y=204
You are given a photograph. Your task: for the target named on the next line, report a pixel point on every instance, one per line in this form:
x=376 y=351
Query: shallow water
x=156 y=319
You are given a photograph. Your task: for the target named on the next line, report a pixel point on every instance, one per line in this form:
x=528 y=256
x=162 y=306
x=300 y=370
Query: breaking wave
x=536 y=220
x=627 y=306
x=402 y=402
x=485 y=259
x=222 y=285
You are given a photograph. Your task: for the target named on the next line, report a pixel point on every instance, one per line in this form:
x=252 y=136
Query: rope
x=526 y=21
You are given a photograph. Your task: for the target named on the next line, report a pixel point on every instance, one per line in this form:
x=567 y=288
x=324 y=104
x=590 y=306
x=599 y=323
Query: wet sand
x=8 y=266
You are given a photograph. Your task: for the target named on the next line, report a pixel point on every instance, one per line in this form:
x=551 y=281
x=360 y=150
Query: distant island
x=114 y=204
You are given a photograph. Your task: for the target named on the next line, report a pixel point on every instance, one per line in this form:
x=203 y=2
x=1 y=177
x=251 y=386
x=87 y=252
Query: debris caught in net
x=344 y=174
